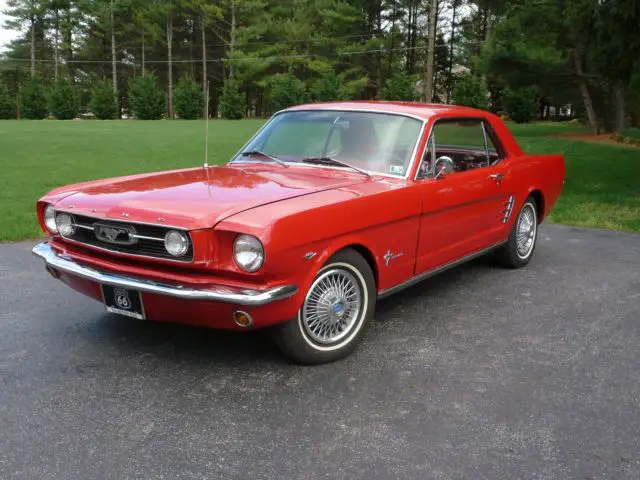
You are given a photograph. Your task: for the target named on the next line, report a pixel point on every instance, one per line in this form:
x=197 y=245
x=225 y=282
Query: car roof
x=423 y=111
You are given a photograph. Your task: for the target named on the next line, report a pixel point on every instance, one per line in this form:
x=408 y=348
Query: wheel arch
x=367 y=255
x=538 y=196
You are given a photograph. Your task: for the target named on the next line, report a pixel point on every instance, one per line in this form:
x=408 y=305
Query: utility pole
x=114 y=72
x=232 y=39
x=454 y=6
x=170 y=59
x=431 y=51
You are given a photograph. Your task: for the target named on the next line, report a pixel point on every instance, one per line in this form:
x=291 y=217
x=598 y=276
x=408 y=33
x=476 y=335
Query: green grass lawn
x=633 y=133
x=602 y=189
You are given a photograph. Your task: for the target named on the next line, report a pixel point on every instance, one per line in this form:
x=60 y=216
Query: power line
x=220 y=60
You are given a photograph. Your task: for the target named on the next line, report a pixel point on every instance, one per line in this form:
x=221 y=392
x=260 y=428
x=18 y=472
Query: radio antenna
x=206 y=128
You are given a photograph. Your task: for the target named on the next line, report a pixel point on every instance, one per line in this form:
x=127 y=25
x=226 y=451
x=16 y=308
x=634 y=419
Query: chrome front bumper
x=218 y=293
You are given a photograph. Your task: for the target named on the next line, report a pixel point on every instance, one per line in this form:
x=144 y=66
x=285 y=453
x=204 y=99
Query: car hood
x=197 y=198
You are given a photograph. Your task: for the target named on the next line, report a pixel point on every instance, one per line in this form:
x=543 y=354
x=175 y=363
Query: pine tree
x=103 y=101
x=470 y=91
x=33 y=101
x=286 y=90
x=189 y=99
x=232 y=102
x=146 y=99
x=7 y=103
x=399 y=86
x=63 y=100
x=520 y=103
x=329 y=87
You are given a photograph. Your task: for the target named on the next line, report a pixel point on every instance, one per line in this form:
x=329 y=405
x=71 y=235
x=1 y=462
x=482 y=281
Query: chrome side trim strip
x=218 y=293
x=431 y=273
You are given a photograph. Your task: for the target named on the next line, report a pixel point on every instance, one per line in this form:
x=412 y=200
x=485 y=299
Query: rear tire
x=523 y=238
x=336 y=310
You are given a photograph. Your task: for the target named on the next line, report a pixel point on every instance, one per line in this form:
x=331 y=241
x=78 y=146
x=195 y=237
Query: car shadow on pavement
x=199 y=344
x=185 y=342
x=439 y=287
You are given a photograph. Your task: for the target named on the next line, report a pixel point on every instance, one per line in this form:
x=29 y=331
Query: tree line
x=160 y=58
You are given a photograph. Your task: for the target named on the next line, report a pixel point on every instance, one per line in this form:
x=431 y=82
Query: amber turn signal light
x=242 y=319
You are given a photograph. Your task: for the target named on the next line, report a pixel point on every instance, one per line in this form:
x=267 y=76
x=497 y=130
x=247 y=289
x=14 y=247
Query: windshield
x=376 y=142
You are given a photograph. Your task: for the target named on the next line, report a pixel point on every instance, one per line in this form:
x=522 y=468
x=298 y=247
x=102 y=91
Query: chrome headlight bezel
x=49 y=217
x=176 y=243
x=248 y=253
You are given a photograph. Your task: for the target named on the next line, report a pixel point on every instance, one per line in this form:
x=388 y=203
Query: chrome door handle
x=498 y=177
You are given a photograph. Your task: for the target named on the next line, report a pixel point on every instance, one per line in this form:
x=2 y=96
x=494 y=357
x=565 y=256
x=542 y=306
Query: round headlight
x=64 y=222
x=50 y=219
x=248 y=252
x=176 y=243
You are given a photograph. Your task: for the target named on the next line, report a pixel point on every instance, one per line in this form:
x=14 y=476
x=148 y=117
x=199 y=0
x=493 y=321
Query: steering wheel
x=444 y=166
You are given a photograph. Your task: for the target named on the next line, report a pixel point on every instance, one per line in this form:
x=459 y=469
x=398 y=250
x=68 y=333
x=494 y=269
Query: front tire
x=523 y=238
x=336 y=310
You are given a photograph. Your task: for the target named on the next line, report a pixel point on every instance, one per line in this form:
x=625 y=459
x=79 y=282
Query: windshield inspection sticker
x=396 y=169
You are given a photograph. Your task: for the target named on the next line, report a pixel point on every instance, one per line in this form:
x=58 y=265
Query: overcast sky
x=5 y=35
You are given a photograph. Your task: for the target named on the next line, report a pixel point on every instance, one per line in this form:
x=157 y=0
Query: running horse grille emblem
x=115 y=234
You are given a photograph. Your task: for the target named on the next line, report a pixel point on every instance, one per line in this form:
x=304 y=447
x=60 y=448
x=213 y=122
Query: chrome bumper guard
x=218 y=293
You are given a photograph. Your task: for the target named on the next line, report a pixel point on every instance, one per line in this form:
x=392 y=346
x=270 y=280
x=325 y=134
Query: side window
x=463 y=145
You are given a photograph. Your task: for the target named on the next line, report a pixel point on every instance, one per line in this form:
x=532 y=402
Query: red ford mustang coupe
x=326 y=209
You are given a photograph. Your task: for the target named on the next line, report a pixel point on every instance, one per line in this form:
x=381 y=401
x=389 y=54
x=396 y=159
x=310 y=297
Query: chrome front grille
x=140 y=239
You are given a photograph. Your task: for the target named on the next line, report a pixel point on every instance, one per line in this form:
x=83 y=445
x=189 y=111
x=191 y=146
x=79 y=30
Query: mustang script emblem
x=122 y=298
x=115 y=234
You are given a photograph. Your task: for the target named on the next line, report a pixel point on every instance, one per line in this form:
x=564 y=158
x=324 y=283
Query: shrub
x=188 y=98
x=329 y=87
x=286 y=90
x=33 y=101
x=232 y=101
x=521 y=104
x=145 y=98
x=63 y=100
x=471 y=91
x=7 y=103
x=103 y=100
x=399 y=86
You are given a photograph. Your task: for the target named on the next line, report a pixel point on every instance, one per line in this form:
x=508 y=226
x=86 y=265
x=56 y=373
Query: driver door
x=462 y=206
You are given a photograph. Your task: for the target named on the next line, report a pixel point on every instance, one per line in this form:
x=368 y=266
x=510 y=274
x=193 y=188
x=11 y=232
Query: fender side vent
x=508 y=208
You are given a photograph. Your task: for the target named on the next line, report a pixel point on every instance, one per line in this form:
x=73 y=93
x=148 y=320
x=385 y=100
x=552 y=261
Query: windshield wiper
x=250 y=153
x=334 y=161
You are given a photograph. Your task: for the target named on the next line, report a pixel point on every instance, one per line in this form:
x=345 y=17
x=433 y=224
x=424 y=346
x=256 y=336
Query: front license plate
x=123 y=301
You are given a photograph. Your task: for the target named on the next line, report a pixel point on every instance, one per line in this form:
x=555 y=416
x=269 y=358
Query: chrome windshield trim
x=356 y=110
x=309 y=165
x=218 y=293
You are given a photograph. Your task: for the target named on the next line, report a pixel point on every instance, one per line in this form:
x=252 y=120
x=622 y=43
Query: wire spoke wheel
x=332 y=306
x=526 y=231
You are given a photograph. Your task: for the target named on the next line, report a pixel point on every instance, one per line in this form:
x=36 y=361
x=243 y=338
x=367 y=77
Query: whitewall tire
x=337 y=308
x=518 y=250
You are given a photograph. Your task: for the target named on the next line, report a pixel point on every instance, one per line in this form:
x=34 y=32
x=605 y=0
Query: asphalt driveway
x=478 y=373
